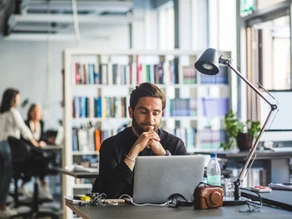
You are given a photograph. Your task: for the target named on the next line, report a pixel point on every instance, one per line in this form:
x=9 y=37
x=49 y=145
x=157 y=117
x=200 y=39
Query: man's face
x=147 y=114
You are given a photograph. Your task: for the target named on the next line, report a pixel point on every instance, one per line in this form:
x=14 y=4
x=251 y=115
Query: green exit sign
x=246 y=7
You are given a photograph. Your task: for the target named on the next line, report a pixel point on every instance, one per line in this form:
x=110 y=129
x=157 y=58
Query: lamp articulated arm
x=208 y=64
x=253 y=149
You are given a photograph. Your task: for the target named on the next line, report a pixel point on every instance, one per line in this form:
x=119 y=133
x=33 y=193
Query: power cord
x=130 y=199
x=174 y=201
x=253 y=206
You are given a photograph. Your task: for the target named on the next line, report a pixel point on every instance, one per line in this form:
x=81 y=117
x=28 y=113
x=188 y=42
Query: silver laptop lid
x=158 y=177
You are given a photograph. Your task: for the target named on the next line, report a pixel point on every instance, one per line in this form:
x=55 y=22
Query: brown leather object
x=207 y=197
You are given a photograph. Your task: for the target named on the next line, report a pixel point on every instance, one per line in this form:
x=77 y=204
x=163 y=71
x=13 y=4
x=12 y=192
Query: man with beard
x=143 y=138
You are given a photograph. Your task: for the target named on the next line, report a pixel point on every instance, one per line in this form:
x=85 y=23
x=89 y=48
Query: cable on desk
x=95 y=199
x=253 y=206
x=129 y=198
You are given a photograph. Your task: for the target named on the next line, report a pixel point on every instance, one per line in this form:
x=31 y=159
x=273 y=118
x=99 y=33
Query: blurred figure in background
x=11 y=124
x=36 y=125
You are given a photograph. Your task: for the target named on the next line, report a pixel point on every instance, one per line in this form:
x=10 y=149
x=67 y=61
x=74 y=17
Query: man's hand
x=145 y=139
x=139 y=146
x=156 y=147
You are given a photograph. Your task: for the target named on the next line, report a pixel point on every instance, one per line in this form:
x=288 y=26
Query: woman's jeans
x=5 y=170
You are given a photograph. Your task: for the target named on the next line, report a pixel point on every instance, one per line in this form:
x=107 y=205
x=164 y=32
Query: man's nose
x=150 y=117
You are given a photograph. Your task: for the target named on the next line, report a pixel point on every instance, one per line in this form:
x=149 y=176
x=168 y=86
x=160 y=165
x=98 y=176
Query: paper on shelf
x=79 y=168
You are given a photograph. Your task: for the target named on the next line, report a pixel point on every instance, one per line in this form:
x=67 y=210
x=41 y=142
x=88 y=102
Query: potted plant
x=242 y=133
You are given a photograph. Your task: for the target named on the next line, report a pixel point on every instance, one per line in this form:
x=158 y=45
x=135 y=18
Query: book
x=97 y=139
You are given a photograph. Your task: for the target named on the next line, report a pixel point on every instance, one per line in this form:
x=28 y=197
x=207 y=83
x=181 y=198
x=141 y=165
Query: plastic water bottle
x=213 y=171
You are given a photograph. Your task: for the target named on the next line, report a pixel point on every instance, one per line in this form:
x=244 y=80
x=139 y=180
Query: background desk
x=80 y=175
x=52 y=147
x=279 y=198
x=126 y=211
x=276 y=164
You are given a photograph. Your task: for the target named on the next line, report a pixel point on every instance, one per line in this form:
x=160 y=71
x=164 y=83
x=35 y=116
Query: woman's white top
x=12 y=124
x=35 y=127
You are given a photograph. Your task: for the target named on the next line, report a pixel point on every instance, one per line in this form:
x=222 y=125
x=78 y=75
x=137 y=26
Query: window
x=166 y=26
x=274 y=63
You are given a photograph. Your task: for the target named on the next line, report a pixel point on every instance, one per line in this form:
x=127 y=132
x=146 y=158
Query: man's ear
x=130 y=112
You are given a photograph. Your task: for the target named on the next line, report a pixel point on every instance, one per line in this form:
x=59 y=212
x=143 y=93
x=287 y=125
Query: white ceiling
x=35 y=19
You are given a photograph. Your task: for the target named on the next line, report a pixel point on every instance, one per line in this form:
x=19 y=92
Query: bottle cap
x=213 y=155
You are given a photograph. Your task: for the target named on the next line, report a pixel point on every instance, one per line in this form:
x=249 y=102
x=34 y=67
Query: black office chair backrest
x=19 y=149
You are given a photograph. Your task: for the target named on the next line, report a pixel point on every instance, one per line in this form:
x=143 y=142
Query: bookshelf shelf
x=97 y=85
x=82 y=186
x=77 y=153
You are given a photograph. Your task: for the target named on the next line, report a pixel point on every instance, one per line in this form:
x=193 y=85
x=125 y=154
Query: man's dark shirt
x=115 y=177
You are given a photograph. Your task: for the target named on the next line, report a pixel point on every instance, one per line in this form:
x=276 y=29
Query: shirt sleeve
x=172 y=143
x=19 y=123
x=181 y=148
x=114 y=175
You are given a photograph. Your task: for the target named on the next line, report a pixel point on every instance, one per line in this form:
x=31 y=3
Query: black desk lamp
x=208 y=64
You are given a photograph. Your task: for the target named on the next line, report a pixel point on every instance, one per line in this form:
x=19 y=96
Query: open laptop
x=158 y=177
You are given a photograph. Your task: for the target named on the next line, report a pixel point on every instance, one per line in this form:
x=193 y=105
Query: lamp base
x=233 y=202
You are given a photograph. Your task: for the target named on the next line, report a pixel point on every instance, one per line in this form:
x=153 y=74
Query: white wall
x=24 y=67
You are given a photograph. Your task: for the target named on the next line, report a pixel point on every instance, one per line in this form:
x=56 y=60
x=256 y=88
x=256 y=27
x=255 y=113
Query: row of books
x=215 y=107
x=211 y=139
x=183 y=107
x=132 y=73
x=116 y=107
x=188 y=135
x=106 y=107
x=88 y=139
x=220 y=78
x=189 y=75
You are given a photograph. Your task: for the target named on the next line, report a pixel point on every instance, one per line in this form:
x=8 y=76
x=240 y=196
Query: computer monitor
x=280 y=125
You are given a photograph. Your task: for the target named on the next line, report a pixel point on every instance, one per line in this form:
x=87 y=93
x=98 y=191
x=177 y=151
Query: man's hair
x=146 y=90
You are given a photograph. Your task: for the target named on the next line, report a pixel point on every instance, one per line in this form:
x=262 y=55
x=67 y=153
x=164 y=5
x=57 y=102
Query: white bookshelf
x=197 y=119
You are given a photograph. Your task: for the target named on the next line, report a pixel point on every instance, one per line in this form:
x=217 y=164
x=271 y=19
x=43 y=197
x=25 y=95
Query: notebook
x=158 y=177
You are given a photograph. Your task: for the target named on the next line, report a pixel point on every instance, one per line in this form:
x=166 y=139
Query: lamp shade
x=208 y=63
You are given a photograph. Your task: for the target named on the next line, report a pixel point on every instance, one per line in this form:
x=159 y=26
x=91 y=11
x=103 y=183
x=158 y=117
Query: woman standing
x=11 y=124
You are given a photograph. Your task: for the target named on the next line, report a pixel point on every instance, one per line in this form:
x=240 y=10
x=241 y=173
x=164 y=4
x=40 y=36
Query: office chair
x=20 y=154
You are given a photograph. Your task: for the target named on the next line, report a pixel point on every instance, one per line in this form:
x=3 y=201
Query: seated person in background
x=143 y=138
x=36 y=125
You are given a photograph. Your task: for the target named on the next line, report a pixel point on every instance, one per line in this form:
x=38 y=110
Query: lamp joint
x=274 y=107
x=223 y=61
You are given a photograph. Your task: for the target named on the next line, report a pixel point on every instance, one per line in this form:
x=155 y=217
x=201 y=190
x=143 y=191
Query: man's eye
x=156 y=113
x=143 y=112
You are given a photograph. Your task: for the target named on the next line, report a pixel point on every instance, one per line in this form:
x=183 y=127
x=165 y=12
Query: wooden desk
x=125 y=211
x=79 y=174
x=275 y=164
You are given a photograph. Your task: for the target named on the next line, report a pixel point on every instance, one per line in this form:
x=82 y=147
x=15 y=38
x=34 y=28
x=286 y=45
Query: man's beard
x=138 y=128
